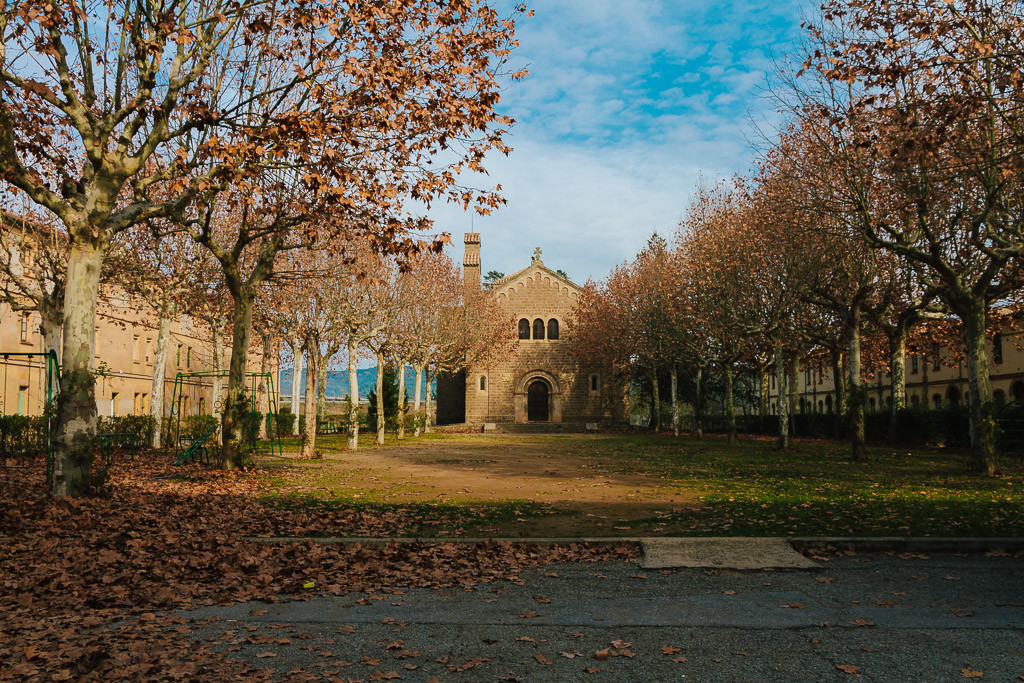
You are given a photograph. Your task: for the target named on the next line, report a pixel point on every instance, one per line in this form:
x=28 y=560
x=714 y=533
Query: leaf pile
x=87 y=586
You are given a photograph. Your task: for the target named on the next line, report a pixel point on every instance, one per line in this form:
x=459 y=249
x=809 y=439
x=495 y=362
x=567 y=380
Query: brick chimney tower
x=471 y=261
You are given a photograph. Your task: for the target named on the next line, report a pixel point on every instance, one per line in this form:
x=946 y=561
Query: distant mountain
x=337 y=382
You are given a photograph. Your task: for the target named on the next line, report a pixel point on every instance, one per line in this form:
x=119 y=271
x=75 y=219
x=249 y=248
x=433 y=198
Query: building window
x=936 y=363
x=24 y=328
x=113 y=404
x=914 y=400
x=188 y=358
x=593 y=382
x=538 y=329
x=937 y=401
x=807 y=377
x=913 y=364
x=22 y=400
x=135 y=349
x=524 y=328
x=179 y=355
x=483 y=383
x=202 y=405
x=552 y=329
x=149 y=342
x=997 y=347
x=773 y=381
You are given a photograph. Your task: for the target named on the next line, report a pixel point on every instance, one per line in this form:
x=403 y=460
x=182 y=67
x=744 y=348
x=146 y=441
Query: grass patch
x=747 y=489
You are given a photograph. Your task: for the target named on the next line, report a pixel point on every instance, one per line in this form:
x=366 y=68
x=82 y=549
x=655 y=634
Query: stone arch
x=522 y=386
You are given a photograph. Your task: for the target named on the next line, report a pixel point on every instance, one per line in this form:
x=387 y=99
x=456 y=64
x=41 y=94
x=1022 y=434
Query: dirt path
x=560 y=471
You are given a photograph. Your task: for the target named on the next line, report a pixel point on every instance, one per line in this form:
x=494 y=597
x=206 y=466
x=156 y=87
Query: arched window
x=937 y=401
x=552 y=329
x=538 y=329
x=914 y=400
x=1017 y=390
x=483 y=383
x=524 y=328
x=871 y=405
x=953 y=396
x=828 y=405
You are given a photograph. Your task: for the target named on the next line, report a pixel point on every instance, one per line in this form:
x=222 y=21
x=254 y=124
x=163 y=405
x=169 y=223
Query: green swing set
x=194 y=436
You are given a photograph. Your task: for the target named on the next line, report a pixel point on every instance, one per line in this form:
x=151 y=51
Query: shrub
x=22 y=435
x=139 y=426
x=284 y=424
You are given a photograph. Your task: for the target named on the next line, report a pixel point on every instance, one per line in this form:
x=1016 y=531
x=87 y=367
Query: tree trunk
x=235 y=404
x=791 y=386
x=674 y=374
x=76 y=405
x=655 y=403
x=217 y=325
x=698 y=404
x=380 y=399
x=400 y=434
x=50 y=323
x=427 y=400
x=321 y=383
x=417 y=419
x=156 y=392
x=856 y=400
x=762 y=394
x=782 y=402
x=309 y=426
x=353 y=396
x=898 y=379
x=263 y=390
x=838 y=389
x=730 y=408
x=296 y=345
x=979 y=394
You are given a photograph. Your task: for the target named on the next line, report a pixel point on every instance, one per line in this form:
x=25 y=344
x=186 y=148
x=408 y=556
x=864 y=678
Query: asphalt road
x=862 y=617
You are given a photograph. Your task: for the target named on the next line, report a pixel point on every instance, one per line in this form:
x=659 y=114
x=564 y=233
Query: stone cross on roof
x=536 y=255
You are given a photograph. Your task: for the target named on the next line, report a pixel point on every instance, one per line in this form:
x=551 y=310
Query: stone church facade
x=542 y=381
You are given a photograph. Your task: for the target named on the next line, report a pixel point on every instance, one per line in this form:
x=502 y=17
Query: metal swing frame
x=184 y=380
x=51 y=366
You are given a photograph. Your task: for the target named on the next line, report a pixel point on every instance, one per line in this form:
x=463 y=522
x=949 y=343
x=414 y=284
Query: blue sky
x=627 y=104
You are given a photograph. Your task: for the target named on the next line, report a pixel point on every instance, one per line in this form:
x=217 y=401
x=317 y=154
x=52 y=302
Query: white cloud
x=627 y=104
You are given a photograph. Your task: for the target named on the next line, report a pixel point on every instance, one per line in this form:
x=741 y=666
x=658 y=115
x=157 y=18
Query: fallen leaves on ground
x=967 y=673
x=848 y=668
x=88 y=585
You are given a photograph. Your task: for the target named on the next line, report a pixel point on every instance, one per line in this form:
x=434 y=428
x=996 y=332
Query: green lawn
x=748 y=489
x=815 y=489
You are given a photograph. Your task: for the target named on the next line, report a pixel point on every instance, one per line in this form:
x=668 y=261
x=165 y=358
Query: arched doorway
x=537 y=399
x=953 y=396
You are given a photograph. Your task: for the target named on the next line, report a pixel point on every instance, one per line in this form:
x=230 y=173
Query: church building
x=542 y=381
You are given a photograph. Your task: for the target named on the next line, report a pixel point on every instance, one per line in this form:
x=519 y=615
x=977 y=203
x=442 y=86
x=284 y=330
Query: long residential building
x=934 y=379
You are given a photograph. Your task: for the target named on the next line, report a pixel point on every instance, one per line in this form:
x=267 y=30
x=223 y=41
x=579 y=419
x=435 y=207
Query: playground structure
x=194 y=437
x=28 y=430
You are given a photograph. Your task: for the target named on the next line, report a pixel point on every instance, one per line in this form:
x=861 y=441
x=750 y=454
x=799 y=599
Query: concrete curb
x=919 y=544
x=857 y=543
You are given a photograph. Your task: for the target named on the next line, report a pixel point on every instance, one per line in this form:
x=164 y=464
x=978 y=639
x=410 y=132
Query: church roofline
x=522 y=271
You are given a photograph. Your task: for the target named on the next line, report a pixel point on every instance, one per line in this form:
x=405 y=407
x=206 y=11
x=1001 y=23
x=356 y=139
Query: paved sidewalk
x=864 y=617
